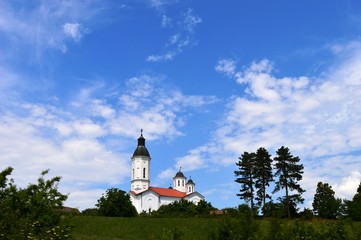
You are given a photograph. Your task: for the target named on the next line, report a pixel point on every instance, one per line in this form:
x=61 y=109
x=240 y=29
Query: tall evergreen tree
x=263 y=175
x=289 y=172
x=354 y=206
x=325 y=205
x=245 y=177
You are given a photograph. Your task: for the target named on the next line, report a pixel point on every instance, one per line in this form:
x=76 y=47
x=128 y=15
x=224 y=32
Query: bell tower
x=140 y=166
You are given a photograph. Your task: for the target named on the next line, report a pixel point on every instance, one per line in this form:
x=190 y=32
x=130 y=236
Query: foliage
x=289 y=172
x=32 y=212
x=90 y=212
x=171 y=234
x=235 y=228
x=99 y=228
x=245 y=176
x=263 y=175
x=240 y=227
x=116 y=203
x=325 y=205
x=306 y=214
x=354 y=206
x=184 y=208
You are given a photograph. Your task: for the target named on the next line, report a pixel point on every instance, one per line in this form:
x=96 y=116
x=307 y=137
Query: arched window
x=178 y=182
x=143 y=172
x=183 y=183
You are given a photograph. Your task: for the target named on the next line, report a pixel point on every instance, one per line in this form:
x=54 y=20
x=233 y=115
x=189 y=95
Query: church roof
x=179 y=174
x=141 y=150
x=190 y=181
x=166 y=192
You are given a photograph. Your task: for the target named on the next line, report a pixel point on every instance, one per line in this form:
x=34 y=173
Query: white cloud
x=191 y=21
x=162 y=58
x=73 y=30
x=166 y=21
x=46 y=24
x=166 y=174
x=227 y=66
x=77 y=142
x=181 y=39
x=317 y=117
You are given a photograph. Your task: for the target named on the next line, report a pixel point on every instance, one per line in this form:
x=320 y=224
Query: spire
x=141 y=139
x=141 y=150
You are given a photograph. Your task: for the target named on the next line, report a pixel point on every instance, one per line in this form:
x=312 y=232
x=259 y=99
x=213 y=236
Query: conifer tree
x=245 y=177
x=289 y=172
x=354 y=207
x=263 y=175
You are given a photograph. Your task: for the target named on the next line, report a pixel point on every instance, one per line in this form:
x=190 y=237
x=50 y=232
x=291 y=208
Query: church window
x=183 y=183
x=178 y=183
x=143 y=172
x=133 y=173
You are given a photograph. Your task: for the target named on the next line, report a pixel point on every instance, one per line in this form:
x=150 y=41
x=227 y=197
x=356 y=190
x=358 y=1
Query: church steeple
x=179 y=181
x=141 y=150
x=140 y=166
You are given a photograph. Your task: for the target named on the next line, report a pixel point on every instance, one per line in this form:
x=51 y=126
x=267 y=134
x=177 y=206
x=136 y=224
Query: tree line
x=257 y=170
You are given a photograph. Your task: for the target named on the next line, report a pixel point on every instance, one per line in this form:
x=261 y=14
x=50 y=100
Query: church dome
x=190 y=181
x=179 y=174
x=141 y=150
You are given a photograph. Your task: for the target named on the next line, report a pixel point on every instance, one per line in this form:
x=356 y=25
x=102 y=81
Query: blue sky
x=205 y=80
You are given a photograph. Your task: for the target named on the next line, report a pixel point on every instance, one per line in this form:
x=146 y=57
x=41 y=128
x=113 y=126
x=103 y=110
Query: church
x=147 y=198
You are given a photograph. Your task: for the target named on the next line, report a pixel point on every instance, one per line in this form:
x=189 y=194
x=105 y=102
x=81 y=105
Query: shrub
x=32 y=213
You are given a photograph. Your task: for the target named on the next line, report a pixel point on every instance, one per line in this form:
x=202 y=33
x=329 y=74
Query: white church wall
x=150 y=201
x=195 y=198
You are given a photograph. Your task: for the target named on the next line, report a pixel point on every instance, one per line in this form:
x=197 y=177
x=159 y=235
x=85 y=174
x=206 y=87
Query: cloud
x=46 y=24
x=317 y=117
x=73 y=30
x=166 y=21
x=181 y=39
x=191 y=21
x=76 y=140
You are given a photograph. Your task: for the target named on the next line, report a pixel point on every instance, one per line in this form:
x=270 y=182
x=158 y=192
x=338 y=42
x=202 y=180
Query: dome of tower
x=190 y=181
x=141 y=150
x=179 y=174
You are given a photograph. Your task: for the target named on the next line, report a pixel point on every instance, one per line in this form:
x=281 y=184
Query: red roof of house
x=168 y=192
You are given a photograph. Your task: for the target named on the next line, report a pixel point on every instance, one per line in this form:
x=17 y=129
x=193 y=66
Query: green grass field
x=141 y=228
x=210 y=228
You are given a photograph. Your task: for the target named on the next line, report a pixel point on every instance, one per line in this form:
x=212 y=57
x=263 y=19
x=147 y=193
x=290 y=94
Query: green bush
x=184 y=208
x=33 y=212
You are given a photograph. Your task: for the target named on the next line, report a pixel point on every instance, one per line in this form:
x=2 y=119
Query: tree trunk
x=287 y=202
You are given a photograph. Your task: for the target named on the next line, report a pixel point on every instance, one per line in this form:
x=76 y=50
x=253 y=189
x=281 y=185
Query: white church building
x=147 y=198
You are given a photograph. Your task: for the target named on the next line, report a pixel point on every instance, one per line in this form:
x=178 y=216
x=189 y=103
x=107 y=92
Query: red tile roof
x=168 y=192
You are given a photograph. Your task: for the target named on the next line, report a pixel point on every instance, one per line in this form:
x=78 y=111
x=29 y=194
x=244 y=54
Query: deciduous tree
x=325 y=205
x=32 y=212
x=289 y=173
x=116 y=203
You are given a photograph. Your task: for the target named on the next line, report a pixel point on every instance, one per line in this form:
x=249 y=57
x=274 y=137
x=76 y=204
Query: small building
x=147 y=198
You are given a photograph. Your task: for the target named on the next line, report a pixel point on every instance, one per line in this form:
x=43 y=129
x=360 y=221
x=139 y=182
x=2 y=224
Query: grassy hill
x=107 y=228
x=142 y=228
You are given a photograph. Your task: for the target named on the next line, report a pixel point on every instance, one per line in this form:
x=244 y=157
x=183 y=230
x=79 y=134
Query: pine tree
x=289 y=172
x=263 y=175
x=245 y=177
x=354 y=207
